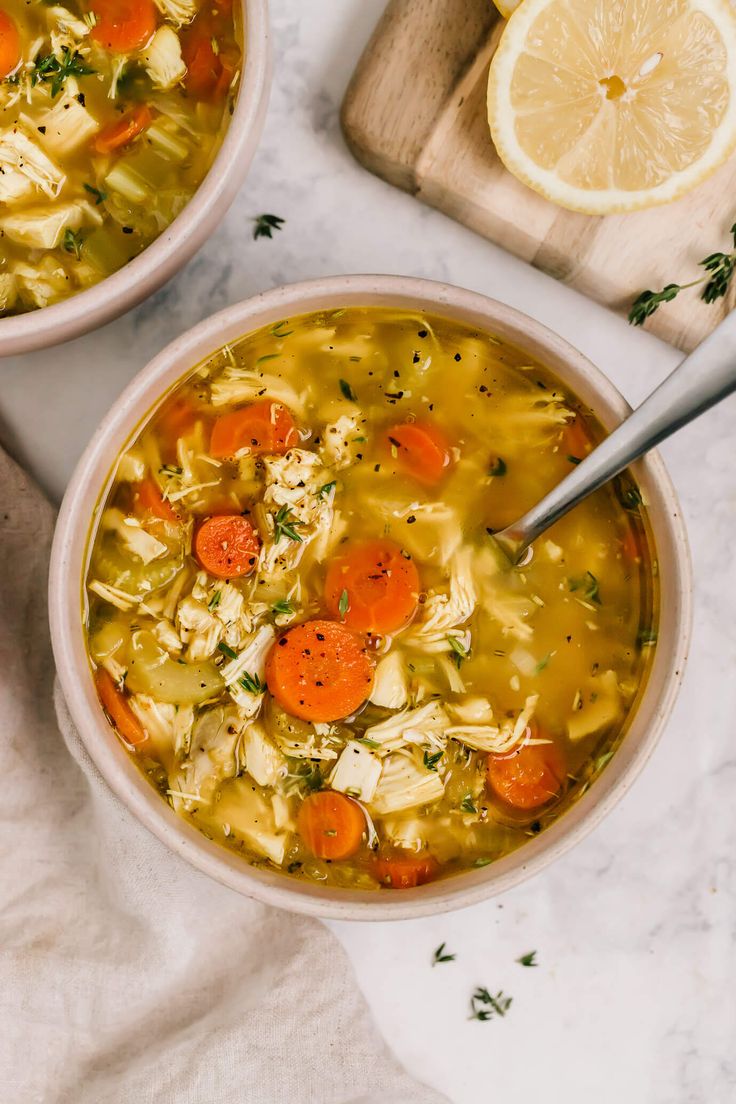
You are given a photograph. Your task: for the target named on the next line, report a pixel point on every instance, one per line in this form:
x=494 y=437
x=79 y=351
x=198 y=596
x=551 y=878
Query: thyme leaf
x=285 y=526
x=719 y=271
x=484 y=1005
x=264 y=225
x=432 y=758
x=347 y=391
x=440 y=955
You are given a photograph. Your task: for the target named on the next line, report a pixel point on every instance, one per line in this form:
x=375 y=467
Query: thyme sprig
x=484 y=1005
x=284 y=525
x=440 y=955
x=264 y=225
x=57 y=69
x=719 y=269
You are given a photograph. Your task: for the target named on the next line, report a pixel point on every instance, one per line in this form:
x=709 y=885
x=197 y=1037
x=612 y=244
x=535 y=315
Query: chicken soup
x=111 y=112
x=301 y=627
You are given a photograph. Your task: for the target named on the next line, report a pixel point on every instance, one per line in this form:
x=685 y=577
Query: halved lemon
x=605 y=106
x=506 y=7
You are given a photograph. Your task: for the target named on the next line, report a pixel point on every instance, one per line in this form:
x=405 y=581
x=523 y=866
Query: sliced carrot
x=210 y=69
x=262 y=427
x=421 y=449
x=372 y=587
x=177 y=418
x=115 y=704
x=123 y=130
x=147 y=498
x=123 y=26
x=227 y=546
x=576 y=439
x=10 y=52
x=529 y=777
x=405 y=870
x=319 y=671
x=331 y=825
x=630 y=546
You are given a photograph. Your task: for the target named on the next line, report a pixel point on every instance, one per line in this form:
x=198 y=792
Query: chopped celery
x=165 y=136
x=124 y=180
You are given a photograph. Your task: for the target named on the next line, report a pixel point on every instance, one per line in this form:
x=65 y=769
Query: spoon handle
x=700 y=381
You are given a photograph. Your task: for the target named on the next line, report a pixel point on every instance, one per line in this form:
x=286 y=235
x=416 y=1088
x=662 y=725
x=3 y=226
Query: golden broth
x=104 y=135
x=497 y=666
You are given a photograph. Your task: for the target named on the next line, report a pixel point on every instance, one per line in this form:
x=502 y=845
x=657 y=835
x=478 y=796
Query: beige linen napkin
x=125 y=976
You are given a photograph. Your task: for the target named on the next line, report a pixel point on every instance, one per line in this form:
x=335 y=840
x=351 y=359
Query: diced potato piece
x=44 y=227
x=600 y=707
x=67 y=126
x=252 y=818
x=162 y=59
x=263 y=760
x=356 y=772
x=390 y=683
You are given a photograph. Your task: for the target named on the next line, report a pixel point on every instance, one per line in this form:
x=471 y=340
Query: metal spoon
x=700 y=381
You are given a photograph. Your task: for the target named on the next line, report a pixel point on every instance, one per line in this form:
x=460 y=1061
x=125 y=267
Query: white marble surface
x=633 y=996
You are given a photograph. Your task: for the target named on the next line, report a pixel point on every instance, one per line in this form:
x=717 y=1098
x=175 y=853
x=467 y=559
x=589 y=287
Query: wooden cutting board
x=414 y=114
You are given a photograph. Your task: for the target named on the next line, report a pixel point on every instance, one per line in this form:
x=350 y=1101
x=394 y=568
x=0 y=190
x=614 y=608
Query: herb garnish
x=459 y=650
x=589 y=586
x=719 y=268
x=646 y=638
x=543 y=663
x=215 y=600
x=283 y=606
x=498 y=467
x=284 y=525
x=72 y=242
x=344 y=604
x=277 y=330
x=485 y=1006
x=54 y=69
x=347 y=391
x=441 y=956
x=252 y=684
x=326 y=488
x=100 y=197
x=468 y=805
x=431 y=759
x=227 y=650
x=529 y=959
x=264 y=225
x=367 y=742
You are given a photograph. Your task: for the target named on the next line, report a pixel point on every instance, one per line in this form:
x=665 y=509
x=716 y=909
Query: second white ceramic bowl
x=91 y=480
x=131 y=284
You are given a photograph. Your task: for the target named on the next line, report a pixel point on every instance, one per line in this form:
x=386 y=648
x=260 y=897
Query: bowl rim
x=169 y=252
x=68 y=560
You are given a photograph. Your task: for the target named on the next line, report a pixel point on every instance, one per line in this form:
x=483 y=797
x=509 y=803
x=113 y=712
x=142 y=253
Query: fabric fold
x=127 y=977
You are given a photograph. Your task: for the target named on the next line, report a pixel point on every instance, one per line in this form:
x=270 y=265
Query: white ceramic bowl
x=188 y=232
x=91 y=480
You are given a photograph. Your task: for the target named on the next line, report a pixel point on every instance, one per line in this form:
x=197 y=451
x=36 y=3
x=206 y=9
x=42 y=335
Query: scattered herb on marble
x=264 y=225
x=529 y=959
x=440 y=955
x=719 y=269
x=484 y=1005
